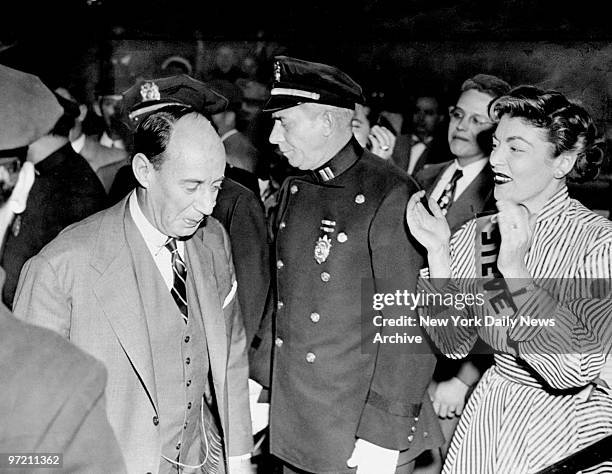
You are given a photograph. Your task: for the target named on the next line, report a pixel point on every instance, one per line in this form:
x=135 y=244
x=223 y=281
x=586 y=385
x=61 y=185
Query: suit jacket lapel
x=118 y=296
x=203 y=300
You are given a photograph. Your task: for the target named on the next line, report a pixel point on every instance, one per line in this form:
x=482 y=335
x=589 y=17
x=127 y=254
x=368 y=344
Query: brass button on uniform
x=155 y=420
x=410 y=438
x=310 y=358
x=425 y=434
x=278 y=342
x=315 y=317
x=342 y=237
x=279 y=264
x=293 y=189
x=360 y=199
x=413 y=429
x=416 y=419
x=325 y=276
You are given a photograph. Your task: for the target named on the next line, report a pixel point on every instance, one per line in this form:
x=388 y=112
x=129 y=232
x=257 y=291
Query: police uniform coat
x=325 y=392
x=52 y=400
x=83 y=286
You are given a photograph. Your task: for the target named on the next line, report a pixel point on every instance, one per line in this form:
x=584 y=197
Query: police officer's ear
x=329 y=123
x=142 y=169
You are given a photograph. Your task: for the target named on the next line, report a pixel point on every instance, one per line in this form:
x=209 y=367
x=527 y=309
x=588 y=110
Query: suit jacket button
x=188 y=361
x=410 y=438
x=325 y=276
x=187 y=338
x=155 y=420
x=416 y=419
x=189 y=406
x=188 y=383
x=278 y=342
x=293 y=189
x=282 y=225
x=314 y=317
x=280 y=305
x=279 y=264
x=310 y=358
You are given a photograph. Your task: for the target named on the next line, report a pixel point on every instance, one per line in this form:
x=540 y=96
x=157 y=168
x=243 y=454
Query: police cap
x=297 y=81
x=150 y=95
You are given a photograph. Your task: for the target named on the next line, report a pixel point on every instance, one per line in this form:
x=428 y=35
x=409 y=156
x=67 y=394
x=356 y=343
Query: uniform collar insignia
x=343 y=160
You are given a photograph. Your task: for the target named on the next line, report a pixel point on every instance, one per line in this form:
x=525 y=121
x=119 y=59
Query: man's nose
x=205 y=202
x=275 y=134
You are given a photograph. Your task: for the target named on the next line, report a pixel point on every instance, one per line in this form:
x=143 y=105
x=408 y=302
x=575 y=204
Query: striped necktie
x=448 y=195
x=179 y=290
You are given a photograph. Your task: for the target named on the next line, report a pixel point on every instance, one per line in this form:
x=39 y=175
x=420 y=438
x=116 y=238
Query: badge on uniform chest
x=324 y=243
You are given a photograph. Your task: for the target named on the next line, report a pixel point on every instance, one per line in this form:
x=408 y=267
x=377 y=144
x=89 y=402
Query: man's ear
x=82 y=113
x=328 y=123
x=564 y=163
x=96 y=108
x=142 y=169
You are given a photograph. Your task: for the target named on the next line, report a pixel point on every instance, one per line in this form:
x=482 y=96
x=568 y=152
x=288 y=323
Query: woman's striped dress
x=530 y=411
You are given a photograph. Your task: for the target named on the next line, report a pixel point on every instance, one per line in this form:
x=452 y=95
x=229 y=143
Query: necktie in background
x=446 y=199
x=179 y=289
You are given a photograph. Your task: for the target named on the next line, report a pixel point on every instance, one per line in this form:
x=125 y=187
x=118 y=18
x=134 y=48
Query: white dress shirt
x=156 y=242
x=78 y=144
x=110 y=143
x=416 y=150
x=469 y=174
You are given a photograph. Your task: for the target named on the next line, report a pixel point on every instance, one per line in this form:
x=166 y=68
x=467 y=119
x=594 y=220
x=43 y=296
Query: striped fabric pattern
x=179 y=289
x=527 y=413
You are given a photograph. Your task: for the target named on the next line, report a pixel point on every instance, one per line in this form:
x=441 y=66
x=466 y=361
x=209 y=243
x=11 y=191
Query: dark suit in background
x=65 y=191
x=477 y=197
x=241 y=213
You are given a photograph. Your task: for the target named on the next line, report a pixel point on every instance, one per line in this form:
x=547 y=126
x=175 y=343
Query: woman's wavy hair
x=568 y=126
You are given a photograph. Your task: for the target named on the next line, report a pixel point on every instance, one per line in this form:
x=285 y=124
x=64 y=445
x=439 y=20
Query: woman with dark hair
x=544 y=397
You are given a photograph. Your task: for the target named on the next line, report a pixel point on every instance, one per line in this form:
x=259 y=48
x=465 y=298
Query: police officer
x=337 y=406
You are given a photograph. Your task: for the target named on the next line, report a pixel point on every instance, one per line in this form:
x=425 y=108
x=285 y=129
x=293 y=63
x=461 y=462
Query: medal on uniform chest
x=324 y=243
x=322 y=248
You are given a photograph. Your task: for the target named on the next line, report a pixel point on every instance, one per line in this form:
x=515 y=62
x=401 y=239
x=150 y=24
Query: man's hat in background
x=297 y=81
x=28 y=108
x=230 y=91
x=177 y=62
x=150 y=95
